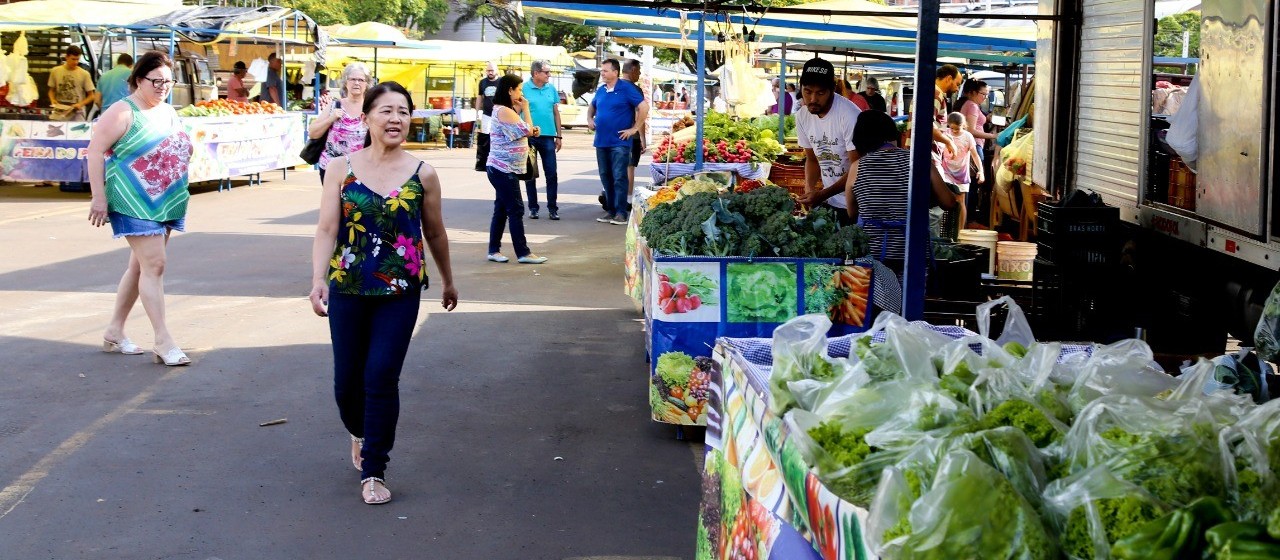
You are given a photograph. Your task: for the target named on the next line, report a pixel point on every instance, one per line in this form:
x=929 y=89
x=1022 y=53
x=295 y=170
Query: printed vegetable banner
x=43 y=150
x=759 y=499
x=689 y=302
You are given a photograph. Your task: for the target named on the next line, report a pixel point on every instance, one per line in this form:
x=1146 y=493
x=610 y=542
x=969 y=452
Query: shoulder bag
x=315 y=146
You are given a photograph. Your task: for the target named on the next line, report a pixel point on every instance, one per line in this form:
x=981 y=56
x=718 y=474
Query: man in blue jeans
x=543 y=101
x=616 y=113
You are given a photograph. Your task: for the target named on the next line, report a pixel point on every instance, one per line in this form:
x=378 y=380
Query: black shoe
x=603 y=204
x=533 y=215
x=553 y=215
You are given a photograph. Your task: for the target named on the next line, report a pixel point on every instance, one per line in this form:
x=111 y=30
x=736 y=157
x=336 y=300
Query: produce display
x=758 y=222
x=974 y=448
x=724 y=141
x=227 y=107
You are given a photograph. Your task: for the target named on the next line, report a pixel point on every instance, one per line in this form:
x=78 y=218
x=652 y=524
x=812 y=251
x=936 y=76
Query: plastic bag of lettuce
x=1094 y=509
x=1251 y=457
x=973 y=511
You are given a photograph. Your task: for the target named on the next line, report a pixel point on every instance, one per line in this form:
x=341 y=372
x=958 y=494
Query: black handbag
x=530 y=167
x=315 y=146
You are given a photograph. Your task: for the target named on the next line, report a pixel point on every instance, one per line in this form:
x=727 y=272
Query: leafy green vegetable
x=1015 y=348
x=1273 y=524
x=1120 y=517
x=761 y=292
x=845 y=448
x=880 y=360
x=1175 y=535
x=730 y=492
x=674 y=368
x=1175 y=468
x=1024 y=416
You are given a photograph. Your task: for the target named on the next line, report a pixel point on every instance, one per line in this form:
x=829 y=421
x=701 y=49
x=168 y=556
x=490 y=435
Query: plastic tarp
x=46 y=14
x=795 y=28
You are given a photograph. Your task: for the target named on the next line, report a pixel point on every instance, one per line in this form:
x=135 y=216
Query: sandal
x=369 y=489
x=356 y=459
x=125 y=346
x=174 y=357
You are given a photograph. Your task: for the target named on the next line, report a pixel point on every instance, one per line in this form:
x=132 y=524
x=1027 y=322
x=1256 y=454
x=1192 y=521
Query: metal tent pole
x=702 y=87
x=782 y=94
x=921 y=160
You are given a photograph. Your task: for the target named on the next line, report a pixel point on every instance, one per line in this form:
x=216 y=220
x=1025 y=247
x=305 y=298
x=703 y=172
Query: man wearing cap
x=871 y=93
x=824 y=128
x=236 y=90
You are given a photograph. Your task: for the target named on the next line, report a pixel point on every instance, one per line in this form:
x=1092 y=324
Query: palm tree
x=515 y=28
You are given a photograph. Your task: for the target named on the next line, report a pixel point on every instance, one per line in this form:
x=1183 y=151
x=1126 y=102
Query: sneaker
x=531 y=259
x=497 y=257
x=618 y=221
x=554 y=215
x=533 y=215
x=605 y=218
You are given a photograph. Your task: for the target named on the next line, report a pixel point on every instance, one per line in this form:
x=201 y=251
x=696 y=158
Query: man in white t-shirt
x=824 y=128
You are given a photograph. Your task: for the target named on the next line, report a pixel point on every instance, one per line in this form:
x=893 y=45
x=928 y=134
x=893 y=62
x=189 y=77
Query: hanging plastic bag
x=1004 y=525
x=1266 y=336
x=1016 y=327
x=1126 y=367
x=1094 y=509
x=1184 y=127
x=1010 y=452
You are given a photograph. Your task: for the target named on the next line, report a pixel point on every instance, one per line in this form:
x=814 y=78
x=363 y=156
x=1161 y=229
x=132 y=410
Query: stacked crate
x=1078 y=255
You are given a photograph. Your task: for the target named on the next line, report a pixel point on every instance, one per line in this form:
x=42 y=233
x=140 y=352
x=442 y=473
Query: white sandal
x=370 y=482
x=356 y=459
x=125 y=346
x=174 y=357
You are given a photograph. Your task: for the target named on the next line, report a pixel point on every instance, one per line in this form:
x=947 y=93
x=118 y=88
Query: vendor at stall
x=824 y=128
x=71 y=88
x=236 y=88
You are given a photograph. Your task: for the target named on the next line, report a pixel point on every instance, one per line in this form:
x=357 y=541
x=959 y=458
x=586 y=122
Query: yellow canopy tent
x=431 y=68
x=47 y=14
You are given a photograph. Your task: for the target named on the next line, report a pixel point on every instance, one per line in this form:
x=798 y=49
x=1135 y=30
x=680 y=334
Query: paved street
x=107 y=456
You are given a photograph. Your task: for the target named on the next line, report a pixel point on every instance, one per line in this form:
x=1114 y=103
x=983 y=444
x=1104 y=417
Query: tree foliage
x=1169 y=32
x=419 y=17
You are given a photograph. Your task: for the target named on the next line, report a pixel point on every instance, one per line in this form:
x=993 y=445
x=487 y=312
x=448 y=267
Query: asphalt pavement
x=524 y=430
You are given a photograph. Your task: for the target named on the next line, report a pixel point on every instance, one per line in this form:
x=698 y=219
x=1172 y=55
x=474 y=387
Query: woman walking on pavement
x=378 y=208
x=137 y=163
x=341 y=117
x=508 y=159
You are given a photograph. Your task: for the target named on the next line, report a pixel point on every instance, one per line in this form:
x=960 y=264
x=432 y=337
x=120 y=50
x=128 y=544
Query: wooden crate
x=1182 y=185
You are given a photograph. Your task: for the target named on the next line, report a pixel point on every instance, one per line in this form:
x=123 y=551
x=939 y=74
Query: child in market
x=956 y=163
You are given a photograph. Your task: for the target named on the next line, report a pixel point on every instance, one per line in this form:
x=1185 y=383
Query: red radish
x=682 y=305
x=671 y=307
x=681 y=289
x=695 y=301
x=665 y=290
x=664 y=277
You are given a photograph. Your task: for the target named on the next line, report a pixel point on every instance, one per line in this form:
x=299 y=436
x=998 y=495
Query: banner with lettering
x=224 y=147
x=43 y=150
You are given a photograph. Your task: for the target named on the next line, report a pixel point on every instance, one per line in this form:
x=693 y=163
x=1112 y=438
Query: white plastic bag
x=1185 y=125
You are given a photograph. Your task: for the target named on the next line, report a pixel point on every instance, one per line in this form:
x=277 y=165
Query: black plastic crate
x=1076 y=222
x=1075 y=253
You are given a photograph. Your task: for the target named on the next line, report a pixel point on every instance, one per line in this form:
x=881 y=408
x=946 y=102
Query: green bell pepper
x=1177 y=534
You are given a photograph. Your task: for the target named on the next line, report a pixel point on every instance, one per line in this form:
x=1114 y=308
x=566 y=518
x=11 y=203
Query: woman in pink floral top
x=341 y=118
x=508 y=150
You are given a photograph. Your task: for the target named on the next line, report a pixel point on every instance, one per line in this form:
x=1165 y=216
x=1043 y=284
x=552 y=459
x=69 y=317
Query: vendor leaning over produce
x=824 y=128
x=71 y=88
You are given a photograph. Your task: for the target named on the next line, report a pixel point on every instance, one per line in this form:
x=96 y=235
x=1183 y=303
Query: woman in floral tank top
x=342 y=118
x=379 y=211
x=137 y=162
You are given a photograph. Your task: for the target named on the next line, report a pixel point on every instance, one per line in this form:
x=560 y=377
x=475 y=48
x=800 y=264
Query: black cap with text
x=818 y=72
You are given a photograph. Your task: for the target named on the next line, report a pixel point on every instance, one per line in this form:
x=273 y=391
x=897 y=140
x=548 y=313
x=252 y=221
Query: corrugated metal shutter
x=1112 y=91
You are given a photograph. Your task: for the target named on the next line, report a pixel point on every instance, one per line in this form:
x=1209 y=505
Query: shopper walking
x=973 y=95
x=342 y=119
x=485 y=91
x=141 y=190
x=544 y=107
x=957 y=164
x=378 y=208
x=508 y=158
x=616 y=113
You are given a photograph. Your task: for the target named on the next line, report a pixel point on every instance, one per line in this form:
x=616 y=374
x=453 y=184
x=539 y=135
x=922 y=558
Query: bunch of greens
x=843 y=447
x=756 y=223
x=761 y=293
x=1007 y=527
x=675 y=368
x=1176 y=468
x=1027 y=417
x=1117 y=517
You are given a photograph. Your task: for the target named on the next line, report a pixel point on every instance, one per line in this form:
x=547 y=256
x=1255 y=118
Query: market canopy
x=46 y=14
x=891 y=33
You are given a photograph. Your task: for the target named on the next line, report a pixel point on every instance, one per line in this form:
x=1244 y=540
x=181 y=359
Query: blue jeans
x=507 y=209
x=370 y=338
x=613 y=163
x=546 y=146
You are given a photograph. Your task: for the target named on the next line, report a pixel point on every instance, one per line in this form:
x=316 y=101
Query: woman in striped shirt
x=877 y=191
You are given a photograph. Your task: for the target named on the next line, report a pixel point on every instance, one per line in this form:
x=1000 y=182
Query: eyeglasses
x=358 y=80
x=159 y=83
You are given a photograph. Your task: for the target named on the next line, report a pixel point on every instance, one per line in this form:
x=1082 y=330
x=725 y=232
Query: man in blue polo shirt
x=543 y=100
x=616 y=113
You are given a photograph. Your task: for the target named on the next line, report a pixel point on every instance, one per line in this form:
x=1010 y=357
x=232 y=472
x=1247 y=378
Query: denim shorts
x=122 y=225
